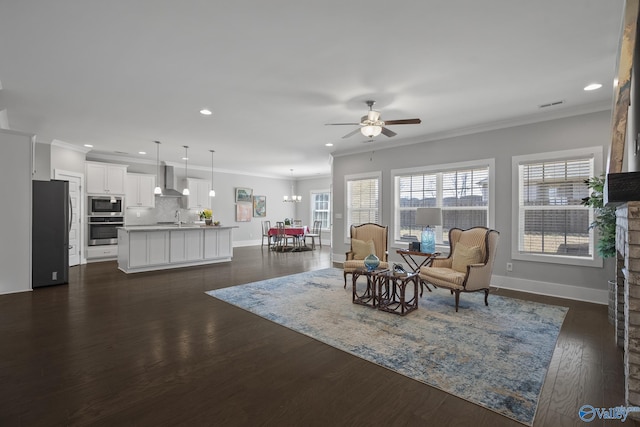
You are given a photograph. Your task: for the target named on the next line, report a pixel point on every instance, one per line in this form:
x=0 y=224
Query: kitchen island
x=159 y=247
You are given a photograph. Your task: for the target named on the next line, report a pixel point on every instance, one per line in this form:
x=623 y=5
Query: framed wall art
x=243 y=212
x=243 y=194
x=259 y=206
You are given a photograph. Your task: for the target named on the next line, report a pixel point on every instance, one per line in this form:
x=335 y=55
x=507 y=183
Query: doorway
x=76 y=181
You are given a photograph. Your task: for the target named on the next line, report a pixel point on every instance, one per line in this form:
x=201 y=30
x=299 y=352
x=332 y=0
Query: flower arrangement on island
x=206 y=214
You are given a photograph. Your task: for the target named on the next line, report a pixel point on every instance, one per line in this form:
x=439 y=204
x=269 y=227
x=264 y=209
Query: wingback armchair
x=366 y=239
x=469 y=264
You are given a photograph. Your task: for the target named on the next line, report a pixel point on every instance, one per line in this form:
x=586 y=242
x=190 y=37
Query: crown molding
x=67 y=146
x=486 y=127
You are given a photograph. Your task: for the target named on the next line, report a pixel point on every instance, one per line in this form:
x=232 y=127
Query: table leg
x=369 y=296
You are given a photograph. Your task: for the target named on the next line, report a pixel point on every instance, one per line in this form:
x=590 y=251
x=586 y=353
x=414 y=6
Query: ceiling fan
x=371 y=125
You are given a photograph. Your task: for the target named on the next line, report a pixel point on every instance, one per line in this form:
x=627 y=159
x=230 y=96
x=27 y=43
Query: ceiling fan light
x=370 y=130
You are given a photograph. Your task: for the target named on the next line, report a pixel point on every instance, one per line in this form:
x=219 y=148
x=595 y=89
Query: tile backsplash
x=165 y=211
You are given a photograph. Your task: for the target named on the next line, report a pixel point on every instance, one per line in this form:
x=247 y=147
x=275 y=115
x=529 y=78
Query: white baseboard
x=243 y=243
x=597 y=296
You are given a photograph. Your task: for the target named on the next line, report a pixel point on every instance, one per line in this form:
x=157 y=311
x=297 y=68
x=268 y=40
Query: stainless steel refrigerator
x=51 y=222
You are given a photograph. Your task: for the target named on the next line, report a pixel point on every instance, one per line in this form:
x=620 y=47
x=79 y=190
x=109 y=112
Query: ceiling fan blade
x=388 y=132
x=341 y=124
x=351 y=133
x=403 y=122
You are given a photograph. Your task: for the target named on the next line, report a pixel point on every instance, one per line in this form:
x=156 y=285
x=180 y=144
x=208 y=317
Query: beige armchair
x=469 y=264
x=366 y=239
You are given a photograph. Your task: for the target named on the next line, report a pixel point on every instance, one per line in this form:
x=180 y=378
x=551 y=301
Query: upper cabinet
x=139 y=190
x=198 y=197
x=105 y=178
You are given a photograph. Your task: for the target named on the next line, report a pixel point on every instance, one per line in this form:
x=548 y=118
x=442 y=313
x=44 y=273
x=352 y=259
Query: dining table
x=298 y=232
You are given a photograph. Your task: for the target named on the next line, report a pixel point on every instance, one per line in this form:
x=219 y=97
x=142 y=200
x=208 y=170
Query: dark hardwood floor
x=151 y=349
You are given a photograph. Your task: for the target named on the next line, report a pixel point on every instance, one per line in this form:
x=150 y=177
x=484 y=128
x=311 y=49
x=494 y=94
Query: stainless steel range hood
x=169 y=189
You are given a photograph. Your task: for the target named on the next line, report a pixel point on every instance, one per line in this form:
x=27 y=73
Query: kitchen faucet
x=178 y=217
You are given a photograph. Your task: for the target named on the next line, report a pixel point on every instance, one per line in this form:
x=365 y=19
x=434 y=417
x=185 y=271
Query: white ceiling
x=120 y=74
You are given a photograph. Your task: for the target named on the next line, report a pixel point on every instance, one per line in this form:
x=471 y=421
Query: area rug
x=495 y=356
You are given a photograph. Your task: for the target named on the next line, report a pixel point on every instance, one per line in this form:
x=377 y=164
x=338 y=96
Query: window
x=363 y=200
x=461 y=190
x=320 y=208
x=550 y=223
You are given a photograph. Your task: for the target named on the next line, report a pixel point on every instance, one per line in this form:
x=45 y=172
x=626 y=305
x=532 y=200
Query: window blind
x=552 y=220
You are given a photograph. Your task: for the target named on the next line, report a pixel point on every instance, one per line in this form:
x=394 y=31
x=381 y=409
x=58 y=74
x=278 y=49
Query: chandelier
x=292 y=198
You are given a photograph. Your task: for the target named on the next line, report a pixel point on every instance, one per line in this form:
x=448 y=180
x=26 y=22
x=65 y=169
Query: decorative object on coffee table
x=371 y=262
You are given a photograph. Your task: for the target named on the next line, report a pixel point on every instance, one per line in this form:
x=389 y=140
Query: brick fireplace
x=627 y=321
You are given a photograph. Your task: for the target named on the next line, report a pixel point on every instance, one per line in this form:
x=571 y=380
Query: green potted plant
x=207 y=215
x=605 y=222
x=605 y=217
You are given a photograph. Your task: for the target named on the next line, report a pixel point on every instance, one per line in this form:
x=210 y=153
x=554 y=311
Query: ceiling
x=121 y=74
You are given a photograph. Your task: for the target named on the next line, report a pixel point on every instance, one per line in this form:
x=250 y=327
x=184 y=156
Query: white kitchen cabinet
x=186 y=245
x=217 y=243
x=198 y=197
x=101 y=253
x=148 y=248
x=105 y=178
x=139 y=191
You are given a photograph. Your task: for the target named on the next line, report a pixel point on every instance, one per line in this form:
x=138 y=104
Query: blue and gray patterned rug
x=495 y=356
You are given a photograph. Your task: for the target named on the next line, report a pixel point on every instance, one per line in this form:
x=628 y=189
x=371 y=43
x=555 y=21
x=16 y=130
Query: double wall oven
x=106 y=214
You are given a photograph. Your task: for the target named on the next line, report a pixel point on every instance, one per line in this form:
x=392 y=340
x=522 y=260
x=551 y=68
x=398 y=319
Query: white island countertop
x=174 y=227
x=162 y=246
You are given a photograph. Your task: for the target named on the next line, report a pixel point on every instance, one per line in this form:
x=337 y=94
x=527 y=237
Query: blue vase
x=428 y=241
x=371 y=262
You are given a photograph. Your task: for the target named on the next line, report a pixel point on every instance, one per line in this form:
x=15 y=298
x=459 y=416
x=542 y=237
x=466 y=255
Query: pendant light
x=185 y=192
x=212 y=192
x=292 y=198
x=157 y=190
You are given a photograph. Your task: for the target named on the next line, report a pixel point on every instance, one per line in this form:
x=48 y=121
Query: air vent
x=551 y=104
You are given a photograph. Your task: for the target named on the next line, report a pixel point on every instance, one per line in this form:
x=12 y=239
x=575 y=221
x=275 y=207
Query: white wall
x=66 y=157
x=16 y=151
x=42 y=166
x=573 y=132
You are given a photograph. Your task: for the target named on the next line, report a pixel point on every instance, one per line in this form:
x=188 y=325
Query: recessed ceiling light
x=142 y=152
x=185 y=158
x=593 y=86
x=329 y=144
x=205 y=112
x=88 y=145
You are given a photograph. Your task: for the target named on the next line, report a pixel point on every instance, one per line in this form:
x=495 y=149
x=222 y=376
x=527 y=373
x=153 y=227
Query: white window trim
x=490 y=163
x=367 y=175
x=311 y=193
x=596 y=152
